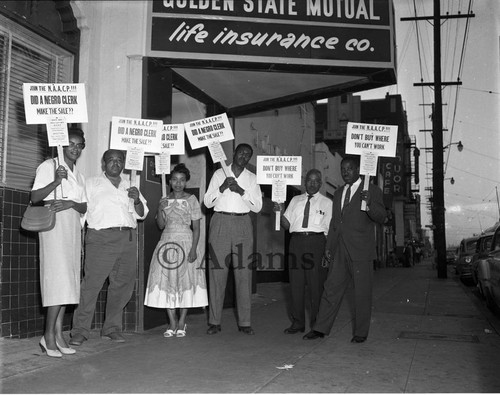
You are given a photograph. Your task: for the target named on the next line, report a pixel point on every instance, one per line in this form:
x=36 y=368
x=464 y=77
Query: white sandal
x=181 y=332
x=169 y=332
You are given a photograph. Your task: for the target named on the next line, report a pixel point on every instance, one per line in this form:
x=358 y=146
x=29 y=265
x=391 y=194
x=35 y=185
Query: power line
x=422 y=90
x=475 y=198
x=460 y=69
x=475 y=175
x=481 y=126
x=481 y=90
x=481 y=154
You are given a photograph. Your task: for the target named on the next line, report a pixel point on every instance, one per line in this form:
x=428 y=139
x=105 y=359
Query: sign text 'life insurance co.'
x=306 y=32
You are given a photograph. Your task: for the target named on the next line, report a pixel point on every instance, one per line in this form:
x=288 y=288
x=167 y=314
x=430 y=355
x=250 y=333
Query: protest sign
x=287 y=168
x=210 y=132
x=172 y=139
x=370 y=141
x=55 y=105
x=162 y=163
x=57 y=131
x=162 y=167
x=133 y=162
x=273 y=169
x=132 y=132
x=134 y=158
x=57 y=134
x=48 y=100
x=202 y=132
x=172 y=143
x=278 y=192
x=137 y=137
x=364 y=137
x=216 y=152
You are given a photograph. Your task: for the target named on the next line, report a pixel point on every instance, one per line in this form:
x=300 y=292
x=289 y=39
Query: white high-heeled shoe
x=50 y=353
x=65 y=350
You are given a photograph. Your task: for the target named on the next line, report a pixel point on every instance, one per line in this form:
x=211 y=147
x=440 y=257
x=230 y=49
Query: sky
x=470 y=52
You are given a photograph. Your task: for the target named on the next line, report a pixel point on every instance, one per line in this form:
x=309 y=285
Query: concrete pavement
x=427 y=335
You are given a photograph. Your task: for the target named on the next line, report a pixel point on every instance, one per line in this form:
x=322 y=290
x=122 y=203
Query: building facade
x=153 y=60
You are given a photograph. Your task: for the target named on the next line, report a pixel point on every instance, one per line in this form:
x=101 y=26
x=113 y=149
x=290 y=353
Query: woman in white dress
x=176 y=276
x=60 y=247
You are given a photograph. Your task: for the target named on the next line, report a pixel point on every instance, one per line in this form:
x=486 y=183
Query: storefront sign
x=314 y=32
x=394 y=178
x=354 y=12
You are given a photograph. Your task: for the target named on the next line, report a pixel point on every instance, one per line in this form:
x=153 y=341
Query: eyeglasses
x=79 y=146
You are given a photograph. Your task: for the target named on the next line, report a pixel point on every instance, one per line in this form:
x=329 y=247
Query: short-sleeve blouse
x=73 y=187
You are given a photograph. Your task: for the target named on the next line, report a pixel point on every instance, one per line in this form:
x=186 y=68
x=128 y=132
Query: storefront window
x=24 y=58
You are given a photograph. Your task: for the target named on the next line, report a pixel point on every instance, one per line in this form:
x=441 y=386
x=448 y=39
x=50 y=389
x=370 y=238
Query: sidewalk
x=427 y=335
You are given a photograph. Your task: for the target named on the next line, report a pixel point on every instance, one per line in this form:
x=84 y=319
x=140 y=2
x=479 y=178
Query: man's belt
x=226 y=213
x=119 y=228
x=307 y=233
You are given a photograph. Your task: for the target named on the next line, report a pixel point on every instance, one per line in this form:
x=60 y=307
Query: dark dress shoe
x=213 y=329
x=77 y=340
x=313 y=335
x=247 y=330
x=294 y=329
x=358 y=339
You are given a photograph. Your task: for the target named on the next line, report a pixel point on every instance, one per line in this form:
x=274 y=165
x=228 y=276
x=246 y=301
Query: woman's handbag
x=39 y=218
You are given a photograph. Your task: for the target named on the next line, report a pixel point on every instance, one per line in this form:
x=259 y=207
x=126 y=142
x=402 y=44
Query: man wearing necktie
x=350 y=248
x=307 y=218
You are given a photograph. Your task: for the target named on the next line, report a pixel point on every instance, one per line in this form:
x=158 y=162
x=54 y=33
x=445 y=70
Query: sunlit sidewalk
x=427 y=335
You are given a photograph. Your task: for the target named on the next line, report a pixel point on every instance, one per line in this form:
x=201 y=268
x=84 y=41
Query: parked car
x=451 y=256
x=488 y=273
x=466 y=250
x=483 y=245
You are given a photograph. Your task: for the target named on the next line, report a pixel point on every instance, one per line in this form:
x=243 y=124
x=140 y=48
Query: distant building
x=398 y=177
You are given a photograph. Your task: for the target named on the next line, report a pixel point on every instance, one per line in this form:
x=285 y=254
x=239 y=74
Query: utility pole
x=498 y=203
x=438 y=208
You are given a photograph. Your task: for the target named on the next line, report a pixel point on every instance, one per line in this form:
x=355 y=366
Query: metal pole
x=438 y=209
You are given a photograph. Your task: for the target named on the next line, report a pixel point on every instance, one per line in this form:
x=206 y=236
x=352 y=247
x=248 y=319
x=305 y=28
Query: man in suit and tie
x=350 y=248
x=307 y=219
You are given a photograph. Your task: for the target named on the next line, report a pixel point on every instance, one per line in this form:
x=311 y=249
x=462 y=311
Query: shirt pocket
x=319 y=217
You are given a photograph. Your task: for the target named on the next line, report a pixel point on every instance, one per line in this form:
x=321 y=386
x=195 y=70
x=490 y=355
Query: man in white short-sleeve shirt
x=110 y=248
x=307 y=218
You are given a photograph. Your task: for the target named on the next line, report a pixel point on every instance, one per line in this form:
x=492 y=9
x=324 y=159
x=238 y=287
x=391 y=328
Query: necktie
x=347 y=198
x=305 y=220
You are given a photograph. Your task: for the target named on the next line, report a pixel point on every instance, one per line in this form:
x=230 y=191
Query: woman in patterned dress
x=60 y=247
x=176 y=276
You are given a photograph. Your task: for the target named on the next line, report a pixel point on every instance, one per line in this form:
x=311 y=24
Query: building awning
x=255 y=55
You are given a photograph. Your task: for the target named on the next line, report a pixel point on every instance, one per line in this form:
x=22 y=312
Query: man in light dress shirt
x=110 y=248
x=232 y=196
x=308 y=227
